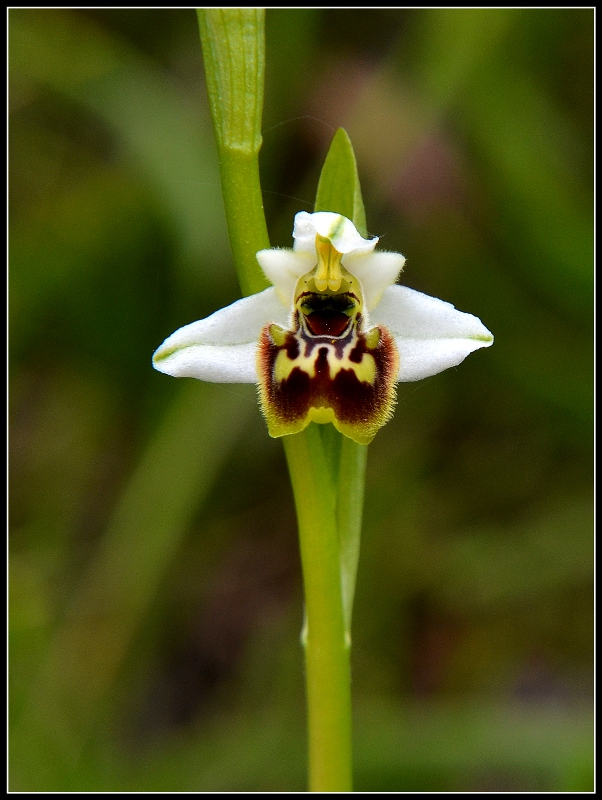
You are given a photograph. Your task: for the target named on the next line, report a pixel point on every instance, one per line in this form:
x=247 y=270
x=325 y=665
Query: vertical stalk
x=325 y=640
x=233 y=41
x=246 y=221
x=233 y=52
x=350 y=506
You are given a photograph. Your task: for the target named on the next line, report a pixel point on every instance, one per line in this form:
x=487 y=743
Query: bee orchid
x=329 y=340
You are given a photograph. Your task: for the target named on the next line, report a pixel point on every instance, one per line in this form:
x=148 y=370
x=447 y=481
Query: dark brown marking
x=353 y=401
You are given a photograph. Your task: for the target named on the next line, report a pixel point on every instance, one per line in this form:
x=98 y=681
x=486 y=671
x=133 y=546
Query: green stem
x=233 y=52
x=246 y=220
x=350 y=505
x=326 y=643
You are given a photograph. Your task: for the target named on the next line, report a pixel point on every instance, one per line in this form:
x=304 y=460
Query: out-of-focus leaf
x=480 y=569
x=452 y=46
x=166 y=135
x=169 y=484
x=548 y=215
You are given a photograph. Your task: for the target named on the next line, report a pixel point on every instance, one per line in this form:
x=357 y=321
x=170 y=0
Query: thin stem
x=350 y=504
x=244 y=210
x=233 y=51
x=326 y=644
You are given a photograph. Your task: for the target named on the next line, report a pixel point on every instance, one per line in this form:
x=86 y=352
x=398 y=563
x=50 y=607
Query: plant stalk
x=326 y=643
x=233 y=52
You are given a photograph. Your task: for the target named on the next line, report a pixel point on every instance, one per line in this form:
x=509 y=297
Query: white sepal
x=431 y=335
x=221 y=348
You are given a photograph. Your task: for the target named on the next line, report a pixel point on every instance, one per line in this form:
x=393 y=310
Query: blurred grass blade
x=452 y=45
x=525 y=139
x=171 y=481
x=153 y=120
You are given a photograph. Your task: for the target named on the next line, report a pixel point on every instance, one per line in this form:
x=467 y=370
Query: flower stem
x=326 y=643
x=246 y=221
x=328 y=494
x=350 y=505
x=233 y=41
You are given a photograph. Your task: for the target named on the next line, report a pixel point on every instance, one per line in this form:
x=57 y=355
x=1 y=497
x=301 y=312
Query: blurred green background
x=155 y=592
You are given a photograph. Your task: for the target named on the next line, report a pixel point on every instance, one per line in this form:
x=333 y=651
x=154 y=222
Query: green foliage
x=155 y=606
x=233 y=50
x=233 y=53
x=336 y=191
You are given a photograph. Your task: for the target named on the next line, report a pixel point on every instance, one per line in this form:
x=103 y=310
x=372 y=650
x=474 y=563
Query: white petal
x=221 y=348
x=283 y=268
x=431 y=335
x=341 y=231
x=376 y=271
x=234 y=363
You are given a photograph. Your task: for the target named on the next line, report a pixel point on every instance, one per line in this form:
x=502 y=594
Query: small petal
x=341 y=232
x=221 y=348
x=376 y=271
x=283 y=268
x=430 y=334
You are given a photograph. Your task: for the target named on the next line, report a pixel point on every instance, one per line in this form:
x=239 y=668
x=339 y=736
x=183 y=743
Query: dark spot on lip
x=325 y=323
x=358 y=351
x=292 y=347
x=328 y=315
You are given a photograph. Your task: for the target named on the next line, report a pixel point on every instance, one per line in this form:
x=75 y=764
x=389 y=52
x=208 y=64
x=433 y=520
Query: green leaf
x=233 y=42
x=339 y=184
x=233 y=52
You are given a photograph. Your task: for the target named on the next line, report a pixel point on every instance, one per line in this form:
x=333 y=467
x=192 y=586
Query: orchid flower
x=328 y=341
